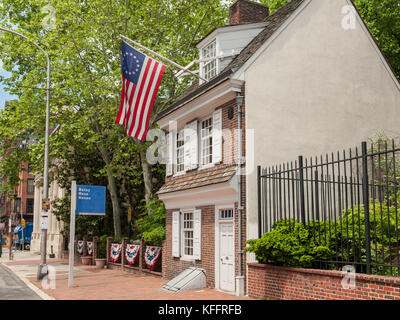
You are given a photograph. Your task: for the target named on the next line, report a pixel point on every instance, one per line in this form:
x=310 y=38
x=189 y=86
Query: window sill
x=207 y=166
x=188 y=259
x=178 y=174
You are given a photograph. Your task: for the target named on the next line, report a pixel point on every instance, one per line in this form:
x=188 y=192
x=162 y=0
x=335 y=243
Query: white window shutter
x=191 y=146
x=197 y=234
x=170 y=154
x=217 y=136
x=176 y=232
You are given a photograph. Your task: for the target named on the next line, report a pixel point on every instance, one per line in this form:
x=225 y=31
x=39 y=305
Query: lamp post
x=43 y=241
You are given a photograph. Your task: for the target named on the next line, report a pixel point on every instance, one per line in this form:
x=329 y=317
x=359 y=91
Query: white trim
x=216 y=194
x=216 y=236
x=239 y=74
x=182 y=238
x=224 y=29
x=373 y=42
x=164 y=122
x=207 y=166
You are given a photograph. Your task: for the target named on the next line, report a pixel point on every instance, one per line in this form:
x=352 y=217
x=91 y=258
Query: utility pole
x=42 y=271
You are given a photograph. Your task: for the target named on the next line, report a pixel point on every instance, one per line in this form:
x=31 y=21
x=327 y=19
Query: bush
x=152 y=226
x=290 y=245
x=293 y=244
x=103 y=247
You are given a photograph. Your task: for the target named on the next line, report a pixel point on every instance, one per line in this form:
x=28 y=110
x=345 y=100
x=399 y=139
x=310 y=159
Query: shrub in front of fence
x=322 y=244
x=289 y=244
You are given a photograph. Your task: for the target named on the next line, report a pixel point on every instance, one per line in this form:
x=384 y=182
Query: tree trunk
x=112 y=187
x=147 y=178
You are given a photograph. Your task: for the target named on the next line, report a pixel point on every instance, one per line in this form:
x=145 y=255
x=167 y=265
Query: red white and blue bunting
x=115 y=252
x=89 y=248
x=151 y=256
x=132 y=253
x=79 y=246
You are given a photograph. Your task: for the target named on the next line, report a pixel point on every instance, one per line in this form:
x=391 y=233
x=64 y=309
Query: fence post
x=259 y=200
x=316 y=196
x=84 y=253
x=95 y=253
x=366 y=204
x=109 y=242
x=123 y=250
x=141 y=255
x=302 y=203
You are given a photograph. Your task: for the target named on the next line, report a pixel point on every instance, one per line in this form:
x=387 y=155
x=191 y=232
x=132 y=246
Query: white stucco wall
x=317 y=88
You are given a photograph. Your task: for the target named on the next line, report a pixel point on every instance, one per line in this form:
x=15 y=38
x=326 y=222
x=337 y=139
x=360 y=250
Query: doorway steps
x=189 y=279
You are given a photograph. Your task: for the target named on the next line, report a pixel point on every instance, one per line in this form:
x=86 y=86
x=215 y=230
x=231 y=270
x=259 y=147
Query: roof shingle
x=218 y=174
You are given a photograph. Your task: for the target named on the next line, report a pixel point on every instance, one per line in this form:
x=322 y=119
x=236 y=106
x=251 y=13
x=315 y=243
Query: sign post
x=72 y=235
x=85 y=201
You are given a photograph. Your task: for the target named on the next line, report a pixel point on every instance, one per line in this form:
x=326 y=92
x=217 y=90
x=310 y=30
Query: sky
x=3 y=95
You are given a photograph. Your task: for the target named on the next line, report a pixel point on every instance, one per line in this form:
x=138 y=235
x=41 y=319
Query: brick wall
x=280 y=283
x=173 y=266
x=244 y=11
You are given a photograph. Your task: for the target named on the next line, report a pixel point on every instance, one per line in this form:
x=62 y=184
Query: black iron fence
x=329 y=195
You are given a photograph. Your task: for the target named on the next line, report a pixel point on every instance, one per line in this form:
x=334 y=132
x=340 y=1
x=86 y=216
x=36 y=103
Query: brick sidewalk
x=109 y=284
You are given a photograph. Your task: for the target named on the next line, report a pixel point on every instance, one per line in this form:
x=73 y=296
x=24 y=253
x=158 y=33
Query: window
x=209 y=67
x=31 y=186
x=206 y=141
x=180 y=152
x=188 y=231
x=17 y=205
x=226 y=214
x=29 y=205
x=29 y=168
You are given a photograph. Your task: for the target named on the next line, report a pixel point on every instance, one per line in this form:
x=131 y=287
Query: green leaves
x=289 y=244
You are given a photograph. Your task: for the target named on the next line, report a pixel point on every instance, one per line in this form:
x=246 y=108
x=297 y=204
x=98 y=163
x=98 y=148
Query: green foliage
x=383 y=19
x=290 y=245
x=84 y=51
x=274 y=4
x=102 y=248
x=151 y=225
x=293 y=244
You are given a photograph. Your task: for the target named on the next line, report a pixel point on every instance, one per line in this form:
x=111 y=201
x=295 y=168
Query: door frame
x=217 y=251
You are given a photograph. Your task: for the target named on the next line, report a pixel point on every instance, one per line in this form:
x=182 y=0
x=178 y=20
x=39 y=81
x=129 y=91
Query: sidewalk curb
x=31 y=286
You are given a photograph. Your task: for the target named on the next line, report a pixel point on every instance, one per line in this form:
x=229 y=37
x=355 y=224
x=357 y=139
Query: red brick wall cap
x=394 y=281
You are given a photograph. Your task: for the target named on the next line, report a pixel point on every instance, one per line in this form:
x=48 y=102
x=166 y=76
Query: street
x=12 y=288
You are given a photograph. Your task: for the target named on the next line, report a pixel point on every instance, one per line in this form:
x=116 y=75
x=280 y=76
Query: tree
x=84 y=49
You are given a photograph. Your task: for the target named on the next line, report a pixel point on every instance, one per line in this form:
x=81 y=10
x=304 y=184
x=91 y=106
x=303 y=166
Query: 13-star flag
x=141 y=79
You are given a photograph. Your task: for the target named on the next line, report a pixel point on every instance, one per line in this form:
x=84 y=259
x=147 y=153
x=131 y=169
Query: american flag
x=141 y=78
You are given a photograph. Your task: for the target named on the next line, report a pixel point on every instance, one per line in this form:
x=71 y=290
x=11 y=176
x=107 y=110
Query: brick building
x=21 y=203
x=306 y=90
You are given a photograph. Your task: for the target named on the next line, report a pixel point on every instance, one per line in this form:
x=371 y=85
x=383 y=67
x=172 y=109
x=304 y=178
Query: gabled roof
x=274 y=22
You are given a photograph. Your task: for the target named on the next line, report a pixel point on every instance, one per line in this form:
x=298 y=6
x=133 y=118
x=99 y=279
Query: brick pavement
x=109 y=284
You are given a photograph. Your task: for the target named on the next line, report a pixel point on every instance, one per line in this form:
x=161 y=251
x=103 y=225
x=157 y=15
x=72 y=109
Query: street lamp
x=43 y=240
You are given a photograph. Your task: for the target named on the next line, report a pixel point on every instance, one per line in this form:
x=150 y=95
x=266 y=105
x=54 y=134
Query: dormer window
x=209 y=68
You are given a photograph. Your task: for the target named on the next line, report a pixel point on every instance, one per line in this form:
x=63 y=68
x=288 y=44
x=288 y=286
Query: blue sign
x=90 y=201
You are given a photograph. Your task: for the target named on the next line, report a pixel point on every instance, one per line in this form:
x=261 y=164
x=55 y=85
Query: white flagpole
x=161 y=57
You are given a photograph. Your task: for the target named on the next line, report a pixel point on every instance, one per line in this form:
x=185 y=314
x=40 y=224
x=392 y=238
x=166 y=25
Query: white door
x=226 y=257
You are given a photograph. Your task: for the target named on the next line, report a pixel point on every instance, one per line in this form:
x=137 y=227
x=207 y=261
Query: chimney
x=245 y=11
